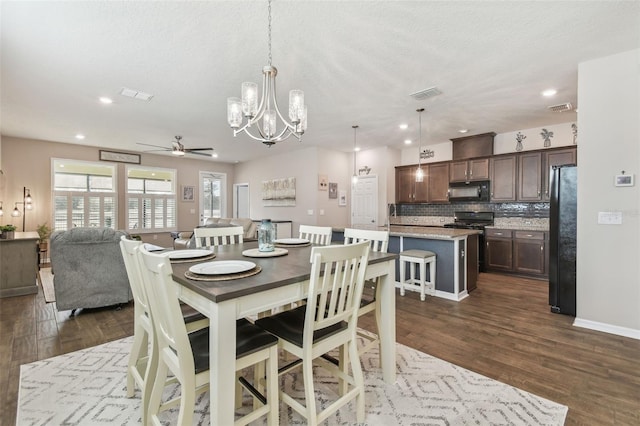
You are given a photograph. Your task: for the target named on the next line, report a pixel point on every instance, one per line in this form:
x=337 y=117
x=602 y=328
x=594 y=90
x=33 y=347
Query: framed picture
x=342 y=198
x=333 y=190
x=120 y=157
x=188 y=193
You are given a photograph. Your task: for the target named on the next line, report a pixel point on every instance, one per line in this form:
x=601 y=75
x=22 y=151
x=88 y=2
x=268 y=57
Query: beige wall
x=608 y=290
x=27 y=163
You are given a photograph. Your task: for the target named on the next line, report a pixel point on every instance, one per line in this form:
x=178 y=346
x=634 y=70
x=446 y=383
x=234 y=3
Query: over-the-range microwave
x=470 y=191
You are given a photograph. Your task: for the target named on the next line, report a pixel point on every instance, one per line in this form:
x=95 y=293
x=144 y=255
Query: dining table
x=281 y=280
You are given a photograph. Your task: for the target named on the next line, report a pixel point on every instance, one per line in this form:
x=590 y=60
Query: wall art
x=519 y=138
x=342 y=198
x=188 y=193
x=279 y=192
x=546 y=136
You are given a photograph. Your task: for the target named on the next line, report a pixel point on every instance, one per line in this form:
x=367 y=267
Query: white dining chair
x=206 y=237
x=316 y=234
x=328 y=321
x=379 y=241
x=186 y=355
x=142 y=363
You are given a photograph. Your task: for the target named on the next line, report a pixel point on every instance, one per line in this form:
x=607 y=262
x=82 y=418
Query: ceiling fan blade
x=198 y=149
x=156 y=146
x=198 y=153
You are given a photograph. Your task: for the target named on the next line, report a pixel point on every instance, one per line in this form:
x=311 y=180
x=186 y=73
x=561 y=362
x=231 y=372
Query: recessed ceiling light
x=106 y=100
x=549 y=92
x=463 y=131
x=80 y=136
x=407 y=141
x=357 y=149
x=404 y=126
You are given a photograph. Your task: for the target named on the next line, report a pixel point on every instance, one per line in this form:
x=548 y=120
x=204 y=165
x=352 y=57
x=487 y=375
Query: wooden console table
x=19 y=264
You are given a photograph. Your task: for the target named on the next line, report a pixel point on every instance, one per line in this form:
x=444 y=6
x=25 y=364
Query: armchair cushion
x=88 y=269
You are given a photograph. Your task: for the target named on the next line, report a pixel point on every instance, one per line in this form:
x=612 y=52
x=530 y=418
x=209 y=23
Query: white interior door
x=364 y=201
x=241 y=200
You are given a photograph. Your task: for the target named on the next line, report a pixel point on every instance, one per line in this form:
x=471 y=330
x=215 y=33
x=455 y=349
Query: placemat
x=194 y=259
x=257 y=253
x=292 y=245
x=225 y=277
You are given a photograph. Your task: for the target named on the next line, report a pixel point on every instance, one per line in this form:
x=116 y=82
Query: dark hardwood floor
x=504 y=330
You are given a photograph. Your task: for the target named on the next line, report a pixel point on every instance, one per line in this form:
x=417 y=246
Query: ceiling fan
x=177 y=148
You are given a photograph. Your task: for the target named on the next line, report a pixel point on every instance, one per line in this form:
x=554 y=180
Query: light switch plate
x=610 y=218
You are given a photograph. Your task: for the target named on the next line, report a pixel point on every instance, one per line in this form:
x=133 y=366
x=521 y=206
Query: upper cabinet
x=433 y=189
x=465 y=171
x=470 y=147
x=525 y=176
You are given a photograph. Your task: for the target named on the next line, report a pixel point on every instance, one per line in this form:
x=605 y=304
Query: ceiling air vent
x=426 y=93
x=136 y=94
x=560 y=107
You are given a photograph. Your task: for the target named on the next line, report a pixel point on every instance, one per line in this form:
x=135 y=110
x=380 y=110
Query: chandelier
x=267 y=111
x=419 y=171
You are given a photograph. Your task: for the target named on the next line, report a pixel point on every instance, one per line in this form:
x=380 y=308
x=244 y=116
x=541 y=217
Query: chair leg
x=310 y=398
x=156 y=393
x=356 y=371
x=272 y=387
x=149 y=379
x=138 y=350
x=423 y=279
x=187 y=399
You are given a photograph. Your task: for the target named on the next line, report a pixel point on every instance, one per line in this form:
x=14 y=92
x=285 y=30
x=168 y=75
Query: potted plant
x=8 y=232
x=44 y=232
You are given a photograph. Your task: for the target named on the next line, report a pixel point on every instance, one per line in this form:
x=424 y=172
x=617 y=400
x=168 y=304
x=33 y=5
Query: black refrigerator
x=562 y=239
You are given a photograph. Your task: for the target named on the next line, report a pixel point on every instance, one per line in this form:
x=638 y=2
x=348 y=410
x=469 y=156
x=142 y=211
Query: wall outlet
x=321 y=212
x=310 y=212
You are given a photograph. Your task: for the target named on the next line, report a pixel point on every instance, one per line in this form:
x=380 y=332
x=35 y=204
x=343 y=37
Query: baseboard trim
x=607 y=328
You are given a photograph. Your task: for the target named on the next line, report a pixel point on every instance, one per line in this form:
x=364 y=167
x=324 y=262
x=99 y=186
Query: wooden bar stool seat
x=420 y=258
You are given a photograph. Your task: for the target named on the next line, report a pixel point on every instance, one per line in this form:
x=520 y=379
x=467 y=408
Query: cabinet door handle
x=529 y=235
x=498 y=233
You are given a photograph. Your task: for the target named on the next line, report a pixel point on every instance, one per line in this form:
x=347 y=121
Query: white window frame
x=167 y=199
x=86 y=195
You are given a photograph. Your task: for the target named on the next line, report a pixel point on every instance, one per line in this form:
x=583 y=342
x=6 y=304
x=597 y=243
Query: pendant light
x=419 y=171
x=354 y=178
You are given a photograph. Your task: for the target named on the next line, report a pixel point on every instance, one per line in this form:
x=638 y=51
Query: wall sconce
x=26 y=204
x=1 y=212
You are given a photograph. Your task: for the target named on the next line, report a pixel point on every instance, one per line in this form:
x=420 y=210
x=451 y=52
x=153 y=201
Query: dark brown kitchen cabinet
x=502 y=170
x=529 y=252
x=556 y=157
x=529 y=177
x=405 y=184
x=499 y=250
x=463 y=171
x=434 y=188
x=438 y=182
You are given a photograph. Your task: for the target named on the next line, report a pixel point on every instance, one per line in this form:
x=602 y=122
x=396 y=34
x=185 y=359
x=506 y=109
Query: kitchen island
x=19 y=264
x=456 y=254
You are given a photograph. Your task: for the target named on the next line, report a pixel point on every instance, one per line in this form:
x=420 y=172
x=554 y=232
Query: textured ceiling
x=357 y=62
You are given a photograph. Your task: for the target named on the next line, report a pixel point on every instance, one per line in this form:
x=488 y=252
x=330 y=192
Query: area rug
x=45 y=277
x=88 y=387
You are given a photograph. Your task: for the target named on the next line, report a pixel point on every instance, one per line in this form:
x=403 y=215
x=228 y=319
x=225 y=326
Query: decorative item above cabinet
x=473 y=146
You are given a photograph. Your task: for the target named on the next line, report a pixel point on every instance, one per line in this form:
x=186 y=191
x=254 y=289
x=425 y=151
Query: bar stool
x=420 y=258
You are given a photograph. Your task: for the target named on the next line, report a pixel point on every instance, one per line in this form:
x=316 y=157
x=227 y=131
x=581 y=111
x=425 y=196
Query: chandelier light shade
x=266 y=109
x=354 y=178
x=419 y=171
x=27 y=204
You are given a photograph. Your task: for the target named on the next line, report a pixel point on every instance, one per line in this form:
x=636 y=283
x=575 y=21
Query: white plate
x=291 y=241
x=222 y=267
x=189 y=254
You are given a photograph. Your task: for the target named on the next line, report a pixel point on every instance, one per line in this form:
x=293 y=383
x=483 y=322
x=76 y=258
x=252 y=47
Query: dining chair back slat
x=320 y=235
x=206 y=237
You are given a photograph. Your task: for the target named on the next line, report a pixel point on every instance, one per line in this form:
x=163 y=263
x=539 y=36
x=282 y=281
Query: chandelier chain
x=269 y=8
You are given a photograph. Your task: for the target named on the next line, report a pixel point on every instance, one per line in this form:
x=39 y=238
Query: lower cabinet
x=518 y=252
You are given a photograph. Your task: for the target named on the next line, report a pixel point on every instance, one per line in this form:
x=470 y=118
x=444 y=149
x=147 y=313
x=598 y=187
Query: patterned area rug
x=88 y=387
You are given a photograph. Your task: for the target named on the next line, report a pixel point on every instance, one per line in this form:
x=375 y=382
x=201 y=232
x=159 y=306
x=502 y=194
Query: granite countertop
x=427 y=232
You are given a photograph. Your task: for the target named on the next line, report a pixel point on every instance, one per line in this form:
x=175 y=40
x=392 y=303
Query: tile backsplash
x=501 y=210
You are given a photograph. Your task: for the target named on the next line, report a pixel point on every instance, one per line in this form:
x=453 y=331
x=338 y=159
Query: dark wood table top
x=276 y=271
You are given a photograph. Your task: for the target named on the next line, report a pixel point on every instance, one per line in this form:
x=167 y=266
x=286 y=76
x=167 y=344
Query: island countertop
x=427 y=232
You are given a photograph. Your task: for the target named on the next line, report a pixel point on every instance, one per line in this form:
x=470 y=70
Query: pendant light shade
x=419 y=171
x=354 y=178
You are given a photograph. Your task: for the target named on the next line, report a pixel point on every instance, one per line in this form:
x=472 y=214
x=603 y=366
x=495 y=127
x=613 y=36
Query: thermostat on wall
x=624 y=180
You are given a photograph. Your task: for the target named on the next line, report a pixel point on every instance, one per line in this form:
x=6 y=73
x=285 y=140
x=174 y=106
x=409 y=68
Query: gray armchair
x=88 y=269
